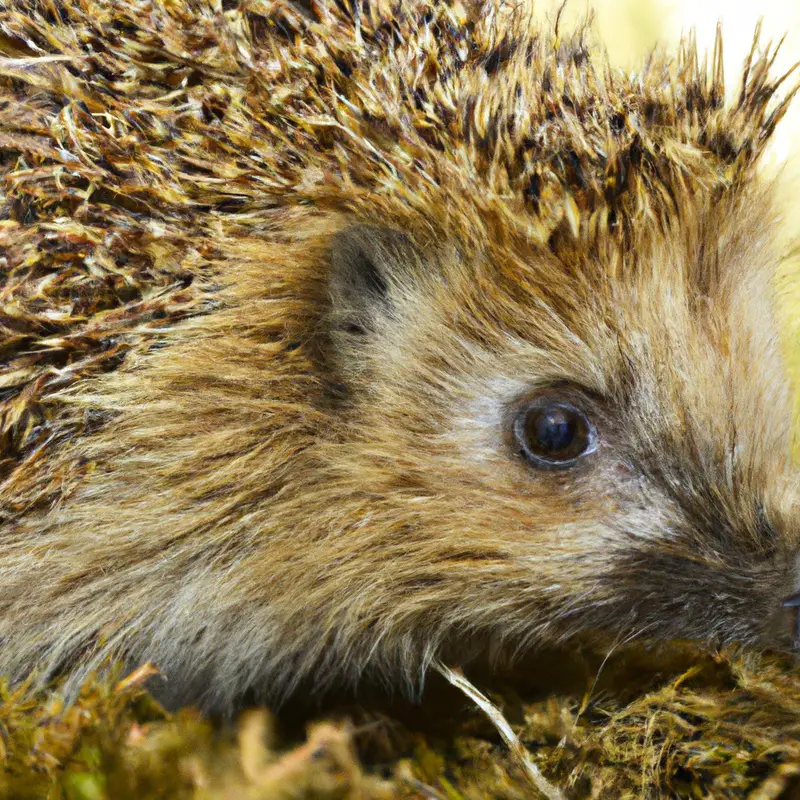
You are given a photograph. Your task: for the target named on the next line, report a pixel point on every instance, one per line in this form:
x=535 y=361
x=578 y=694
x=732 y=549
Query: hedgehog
x=341 y=340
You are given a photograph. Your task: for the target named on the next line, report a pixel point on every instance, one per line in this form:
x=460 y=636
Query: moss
x=726 y=726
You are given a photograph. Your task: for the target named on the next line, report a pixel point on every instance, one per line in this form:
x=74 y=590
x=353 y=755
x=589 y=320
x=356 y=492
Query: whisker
x=615 y=646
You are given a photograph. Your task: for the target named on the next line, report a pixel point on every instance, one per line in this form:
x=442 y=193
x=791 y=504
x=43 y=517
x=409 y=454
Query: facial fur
x=319 y=478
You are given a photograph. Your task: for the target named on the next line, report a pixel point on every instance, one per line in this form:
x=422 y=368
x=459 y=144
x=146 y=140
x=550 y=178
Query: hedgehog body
x=452 y=342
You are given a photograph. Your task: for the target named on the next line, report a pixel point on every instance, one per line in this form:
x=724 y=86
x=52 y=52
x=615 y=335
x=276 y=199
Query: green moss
x=728 y=726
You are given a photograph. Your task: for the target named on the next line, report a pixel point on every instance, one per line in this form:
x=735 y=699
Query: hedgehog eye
x=553 y=433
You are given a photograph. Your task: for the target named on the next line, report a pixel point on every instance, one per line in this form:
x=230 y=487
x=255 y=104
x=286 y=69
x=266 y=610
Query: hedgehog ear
x=371 y=268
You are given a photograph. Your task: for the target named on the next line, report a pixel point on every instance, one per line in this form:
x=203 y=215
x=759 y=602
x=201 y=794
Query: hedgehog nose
x=793 y=604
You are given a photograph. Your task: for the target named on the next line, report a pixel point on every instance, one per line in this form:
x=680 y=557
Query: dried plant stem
x=509 y=737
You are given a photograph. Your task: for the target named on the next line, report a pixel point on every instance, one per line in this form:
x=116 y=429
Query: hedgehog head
x=557 y=355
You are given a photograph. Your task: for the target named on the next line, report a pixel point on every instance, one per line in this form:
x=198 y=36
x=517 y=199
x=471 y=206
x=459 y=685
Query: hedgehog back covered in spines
x=278 y=276
x=291 y=104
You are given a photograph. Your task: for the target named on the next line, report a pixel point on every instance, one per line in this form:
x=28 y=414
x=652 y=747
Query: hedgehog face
x=599 y=445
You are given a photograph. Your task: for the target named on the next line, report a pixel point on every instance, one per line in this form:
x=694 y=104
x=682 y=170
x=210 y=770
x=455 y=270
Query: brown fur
x=315 y=480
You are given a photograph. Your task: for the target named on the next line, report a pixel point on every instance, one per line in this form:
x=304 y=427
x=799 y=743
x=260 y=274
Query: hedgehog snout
x=792 y=605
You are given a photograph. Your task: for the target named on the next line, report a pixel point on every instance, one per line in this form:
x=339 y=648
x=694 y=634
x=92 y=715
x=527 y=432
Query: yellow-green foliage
x=672 y=722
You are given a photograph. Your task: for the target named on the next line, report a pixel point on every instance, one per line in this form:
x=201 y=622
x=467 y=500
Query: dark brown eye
x=553 y=433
